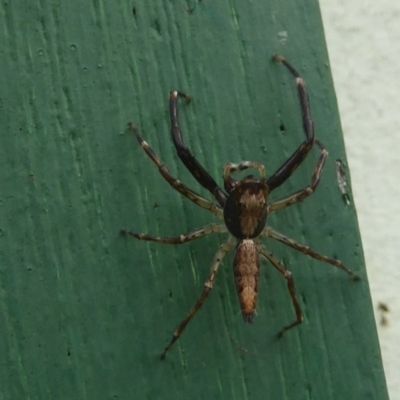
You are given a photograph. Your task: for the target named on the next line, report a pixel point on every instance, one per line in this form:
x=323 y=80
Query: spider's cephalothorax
x=244 y=209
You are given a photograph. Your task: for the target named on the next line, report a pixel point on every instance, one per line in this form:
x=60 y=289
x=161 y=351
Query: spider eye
x=249 y=177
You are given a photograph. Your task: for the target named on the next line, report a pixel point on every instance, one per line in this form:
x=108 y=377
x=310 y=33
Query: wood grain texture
x=84 y=312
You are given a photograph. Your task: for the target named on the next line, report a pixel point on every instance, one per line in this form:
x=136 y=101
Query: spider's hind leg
x=290 y=282
x=208 y=285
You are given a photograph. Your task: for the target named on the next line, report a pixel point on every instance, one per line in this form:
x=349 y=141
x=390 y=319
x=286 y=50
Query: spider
x=244 y=208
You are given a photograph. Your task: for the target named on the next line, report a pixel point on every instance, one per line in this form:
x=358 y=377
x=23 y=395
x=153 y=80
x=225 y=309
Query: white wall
x=363 y=38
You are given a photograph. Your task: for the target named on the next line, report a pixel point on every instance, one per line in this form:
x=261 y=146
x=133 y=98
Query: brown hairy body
x=246 y=267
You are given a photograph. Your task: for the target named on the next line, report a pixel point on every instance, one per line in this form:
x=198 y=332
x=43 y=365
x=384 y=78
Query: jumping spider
x=244 y=210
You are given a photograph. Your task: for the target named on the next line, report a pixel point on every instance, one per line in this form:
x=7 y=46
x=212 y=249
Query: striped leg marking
x=309 y=190
x=197 y=234
x=175 y=183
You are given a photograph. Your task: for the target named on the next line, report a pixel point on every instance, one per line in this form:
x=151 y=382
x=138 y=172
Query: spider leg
x=195 y=168
x=269 y=232
x=231 y=168
x=175 y=183
x=287 y=168
x=290 y=282
x=222 y=251
x=309 y=190
x=207 y=230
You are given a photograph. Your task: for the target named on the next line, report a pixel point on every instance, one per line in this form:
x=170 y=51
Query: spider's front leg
x=287 y=169
x=195 y=168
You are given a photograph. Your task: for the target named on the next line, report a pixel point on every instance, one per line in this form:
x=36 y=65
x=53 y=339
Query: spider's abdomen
x=246 y=268
x=245 y=211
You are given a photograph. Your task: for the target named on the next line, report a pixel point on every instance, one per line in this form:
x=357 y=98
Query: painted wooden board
x=84 y=312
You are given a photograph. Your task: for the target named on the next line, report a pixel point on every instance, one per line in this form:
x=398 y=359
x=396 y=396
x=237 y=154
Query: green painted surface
x=85 y=313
